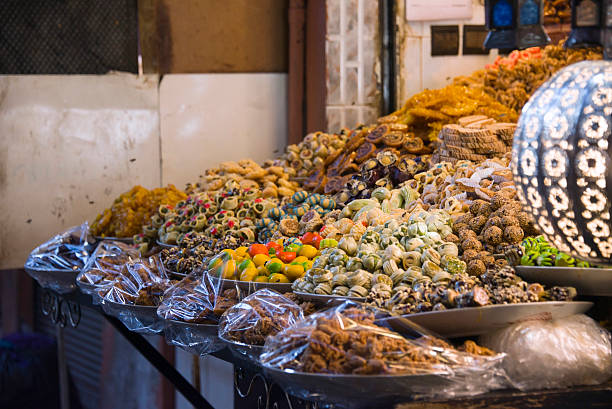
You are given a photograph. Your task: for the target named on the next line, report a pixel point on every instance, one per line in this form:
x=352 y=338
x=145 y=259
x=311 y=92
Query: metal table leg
x=63 y=369
x=61 y=312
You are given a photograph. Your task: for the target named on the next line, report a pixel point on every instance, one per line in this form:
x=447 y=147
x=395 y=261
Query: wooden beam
x=10 y=305
x=316 y=88
x=17 y=307
x=295 y=106
x=147 y=34
x=166 y=390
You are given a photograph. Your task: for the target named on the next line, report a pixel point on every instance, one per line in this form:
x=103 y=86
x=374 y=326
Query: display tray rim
x=87 y=286
x=51 y=270
x=168 y=246
x=494 y=306
x=227 y=283
x=240 y=344
x=586 y=280
x=126 y=240
x=140 y=308
x=564 y=268
x=61 y=281
x=351 y=376
x=330 y=297
x=188 y=324
x=489 y=317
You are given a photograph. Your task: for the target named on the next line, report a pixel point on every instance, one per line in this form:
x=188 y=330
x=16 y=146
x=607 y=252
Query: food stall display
x=337 y=267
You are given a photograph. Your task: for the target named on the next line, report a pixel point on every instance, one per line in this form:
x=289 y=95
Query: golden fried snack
x=133 y=209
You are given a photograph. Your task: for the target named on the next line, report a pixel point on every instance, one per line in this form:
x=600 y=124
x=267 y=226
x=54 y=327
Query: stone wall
x=352 y=57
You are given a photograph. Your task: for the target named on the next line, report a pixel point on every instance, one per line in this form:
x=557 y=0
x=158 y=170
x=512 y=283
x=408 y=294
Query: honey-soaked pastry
x=377 y=134
x=365 y=151
x=133 y=209
x=512 y=80
x=394 y=139
x=414 y=145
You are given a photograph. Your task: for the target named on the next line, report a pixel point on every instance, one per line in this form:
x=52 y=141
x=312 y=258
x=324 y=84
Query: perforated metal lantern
x=561 y=159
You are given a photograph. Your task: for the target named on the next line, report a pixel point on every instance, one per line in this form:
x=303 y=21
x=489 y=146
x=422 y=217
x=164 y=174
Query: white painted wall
x=68 y=146
x=418 y=69
x=210 y=118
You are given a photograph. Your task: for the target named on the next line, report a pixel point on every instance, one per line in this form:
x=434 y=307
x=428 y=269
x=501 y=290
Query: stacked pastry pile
x=475 y=138
x=388 y=138
x=301 y=159
x=273 y=181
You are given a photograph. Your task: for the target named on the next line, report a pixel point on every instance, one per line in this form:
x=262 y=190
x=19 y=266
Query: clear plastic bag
x=104 y=266
x=569 y=351
x=55 y=263
x=191 y=311
x=349 y=355
x=135 y=294
x=264 y=313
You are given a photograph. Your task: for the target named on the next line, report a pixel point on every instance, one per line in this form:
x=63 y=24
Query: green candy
x=564 y=260
x=531 y=244
x=529 y=258
x=548 y=249
x=545 y=259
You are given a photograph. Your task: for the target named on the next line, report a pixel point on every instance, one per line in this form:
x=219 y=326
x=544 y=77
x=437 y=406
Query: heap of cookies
x=312 y=153
x=388 y=141
x=475 y=138
x=273 y=181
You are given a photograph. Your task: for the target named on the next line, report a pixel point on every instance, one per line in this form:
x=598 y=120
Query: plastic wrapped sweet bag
x=104 y=266
x=54 y=263
x=135 y=294
x=66 y=251
x=192 y=308
x=353 y=346
x=264 y=313
x=561 y=353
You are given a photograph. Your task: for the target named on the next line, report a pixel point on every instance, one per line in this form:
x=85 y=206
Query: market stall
x=454 y=252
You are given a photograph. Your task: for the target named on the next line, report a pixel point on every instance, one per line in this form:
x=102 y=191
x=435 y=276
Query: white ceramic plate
x=586 y=281
x=462 y=322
